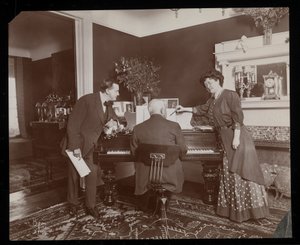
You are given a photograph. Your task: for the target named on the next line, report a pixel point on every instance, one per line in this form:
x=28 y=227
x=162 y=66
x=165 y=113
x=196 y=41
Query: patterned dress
x=242 y=194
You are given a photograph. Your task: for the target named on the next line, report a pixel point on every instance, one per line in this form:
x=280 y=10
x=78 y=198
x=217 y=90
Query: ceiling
x=38 y=34
x=147 y=22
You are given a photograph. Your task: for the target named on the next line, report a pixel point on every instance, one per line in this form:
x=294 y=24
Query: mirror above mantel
x=259 y=73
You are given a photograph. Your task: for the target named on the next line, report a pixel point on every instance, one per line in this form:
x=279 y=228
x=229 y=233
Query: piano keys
x=203 y=147
x=198 y=150
x=118 y=152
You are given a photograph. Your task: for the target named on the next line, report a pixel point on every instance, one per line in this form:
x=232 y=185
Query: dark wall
x=108 y=47
x=186 y=53
x=182 y=54
x=63 y=72
x=41 y=82
x=53 y=75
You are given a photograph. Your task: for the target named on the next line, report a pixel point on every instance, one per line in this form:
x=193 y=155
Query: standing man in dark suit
x=158 y=130
x=85 y=125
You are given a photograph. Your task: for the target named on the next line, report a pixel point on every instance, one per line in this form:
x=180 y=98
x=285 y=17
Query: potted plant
x=265 y=18
x=139 y=76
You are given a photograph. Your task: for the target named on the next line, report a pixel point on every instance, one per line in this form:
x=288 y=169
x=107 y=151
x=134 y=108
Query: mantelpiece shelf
x=260 y=103
x=254 y=53
x=272 y=144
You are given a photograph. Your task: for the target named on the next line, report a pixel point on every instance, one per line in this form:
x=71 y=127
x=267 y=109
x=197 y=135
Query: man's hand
x=77 y=153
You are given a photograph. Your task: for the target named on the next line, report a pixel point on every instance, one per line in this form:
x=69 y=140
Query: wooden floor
x=26 y=202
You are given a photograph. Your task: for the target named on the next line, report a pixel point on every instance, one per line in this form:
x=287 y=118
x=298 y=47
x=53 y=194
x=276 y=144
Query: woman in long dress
x=242 y=193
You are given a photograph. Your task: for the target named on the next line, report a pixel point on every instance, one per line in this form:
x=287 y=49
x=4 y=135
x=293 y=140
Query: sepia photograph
x=172 y=103
x=129 y=107
x=77 y=173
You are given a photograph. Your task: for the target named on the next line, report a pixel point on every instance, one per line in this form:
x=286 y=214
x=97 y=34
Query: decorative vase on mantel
x=267 y=37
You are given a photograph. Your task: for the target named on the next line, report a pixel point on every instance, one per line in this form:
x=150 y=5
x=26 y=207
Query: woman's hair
x=106 y=83
x=213 y=74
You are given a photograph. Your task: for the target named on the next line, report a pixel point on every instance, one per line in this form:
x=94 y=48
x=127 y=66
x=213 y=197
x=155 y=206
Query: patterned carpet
x=31 y=172
x=188 y=218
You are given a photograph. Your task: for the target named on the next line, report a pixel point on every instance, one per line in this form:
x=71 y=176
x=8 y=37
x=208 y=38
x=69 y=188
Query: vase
x=51 y=112
x=241 y=92
x=248 y=92
x=139 y=100
x=267 y=37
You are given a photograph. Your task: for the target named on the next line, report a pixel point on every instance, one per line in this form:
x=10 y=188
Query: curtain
x=12 y=103
x=20 y=97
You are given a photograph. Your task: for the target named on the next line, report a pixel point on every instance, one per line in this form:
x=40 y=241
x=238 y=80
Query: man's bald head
x=157 y=106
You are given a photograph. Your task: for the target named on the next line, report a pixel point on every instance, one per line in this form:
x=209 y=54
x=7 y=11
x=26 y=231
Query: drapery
x=17 y=123
x=12 y=103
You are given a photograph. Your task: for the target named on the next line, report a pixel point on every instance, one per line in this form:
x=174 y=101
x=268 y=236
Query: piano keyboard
x=118 y=152
x=200 y=150
x=191 y=151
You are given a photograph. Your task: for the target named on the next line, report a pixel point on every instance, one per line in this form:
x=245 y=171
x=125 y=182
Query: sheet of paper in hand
x=79 y=164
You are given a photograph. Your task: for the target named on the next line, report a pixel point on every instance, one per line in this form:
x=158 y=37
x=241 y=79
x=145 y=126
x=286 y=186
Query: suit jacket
x=85 y=123
x=158 y=130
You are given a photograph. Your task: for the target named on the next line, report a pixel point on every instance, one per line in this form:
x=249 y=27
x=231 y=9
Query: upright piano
x=203 y=147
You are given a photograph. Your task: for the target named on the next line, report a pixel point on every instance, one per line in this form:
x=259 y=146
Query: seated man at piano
x=157 y=130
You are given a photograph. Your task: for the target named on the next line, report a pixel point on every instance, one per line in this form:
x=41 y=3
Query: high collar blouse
x=224 y=111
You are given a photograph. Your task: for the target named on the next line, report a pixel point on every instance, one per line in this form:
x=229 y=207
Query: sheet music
x=142 y=113
x=80 y=165
x=184 y=119
x=170 y=115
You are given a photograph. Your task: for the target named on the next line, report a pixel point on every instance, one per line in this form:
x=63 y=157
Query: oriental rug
x=187 y=218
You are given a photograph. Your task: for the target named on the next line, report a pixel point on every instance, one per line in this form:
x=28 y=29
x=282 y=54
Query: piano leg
x=211 y=181
x=109 y=179
x=109 y=187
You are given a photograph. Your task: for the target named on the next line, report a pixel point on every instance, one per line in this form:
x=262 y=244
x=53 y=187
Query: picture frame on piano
x=127 y=106
x=147 y=98
x=120 y=107
x=171 y=103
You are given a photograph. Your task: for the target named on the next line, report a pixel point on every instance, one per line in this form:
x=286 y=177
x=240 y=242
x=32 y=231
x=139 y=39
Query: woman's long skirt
x=240 y=199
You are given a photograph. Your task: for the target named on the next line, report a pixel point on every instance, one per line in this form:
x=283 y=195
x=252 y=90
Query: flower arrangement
x=139 y=75
x=112 y=128
x=53 y=98
x=264 y=17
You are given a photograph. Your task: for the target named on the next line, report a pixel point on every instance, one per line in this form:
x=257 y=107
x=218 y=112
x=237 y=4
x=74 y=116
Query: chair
x=158 y=157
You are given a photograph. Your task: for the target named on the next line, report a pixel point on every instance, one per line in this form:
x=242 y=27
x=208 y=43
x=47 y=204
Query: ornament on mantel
x=266 y=18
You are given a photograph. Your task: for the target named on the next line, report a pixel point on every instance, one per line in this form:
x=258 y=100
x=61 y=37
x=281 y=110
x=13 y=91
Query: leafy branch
x=139 y=75
x=264 y=17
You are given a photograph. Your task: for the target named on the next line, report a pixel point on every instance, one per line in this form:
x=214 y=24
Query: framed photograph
x=171 y=103
x=127 y=106
x=147 y=98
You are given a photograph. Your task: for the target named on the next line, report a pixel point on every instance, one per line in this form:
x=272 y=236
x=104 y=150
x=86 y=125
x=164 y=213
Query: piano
x=203 y=147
